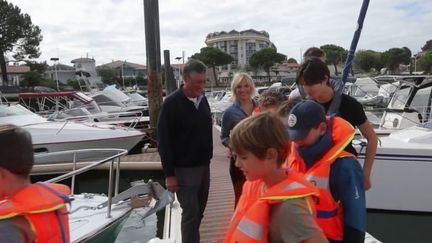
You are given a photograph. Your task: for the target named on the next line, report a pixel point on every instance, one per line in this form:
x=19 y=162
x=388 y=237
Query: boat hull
x=127 y=142
x=401 y=175
x=92 y=225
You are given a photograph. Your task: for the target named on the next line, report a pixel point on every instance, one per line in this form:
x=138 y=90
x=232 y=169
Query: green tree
x=141 y=81
x=408 y=53
x=48 y=83
x=74 y=84
x=18 y=35
x=108 y=75
x=31 y=79
x=265 y=59
x=427 y=46
x=334 y=55
x=395 y=56
x=39 y=67
x=368 y=59
x=292 y=60
x=213 y=57
x=425 y=62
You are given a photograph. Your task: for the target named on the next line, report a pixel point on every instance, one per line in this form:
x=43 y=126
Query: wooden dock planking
x=220 y=206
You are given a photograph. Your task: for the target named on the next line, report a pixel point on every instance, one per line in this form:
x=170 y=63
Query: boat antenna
x=356 y=37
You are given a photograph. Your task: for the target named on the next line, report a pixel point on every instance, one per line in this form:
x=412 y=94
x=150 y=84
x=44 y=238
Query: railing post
x=117 y=176
x=73 y=177
x=110 y=182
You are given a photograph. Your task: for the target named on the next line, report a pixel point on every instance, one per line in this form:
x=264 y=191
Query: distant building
x=125 y=69
x=14 y=74
x=88 y=66
x=85 y=64
x=65 y=73
x=239 y=44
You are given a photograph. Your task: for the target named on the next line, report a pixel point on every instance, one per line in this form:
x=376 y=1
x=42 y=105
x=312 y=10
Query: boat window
x=400 y=98
x=13 y=110
x=103 y=100
x=422 y=100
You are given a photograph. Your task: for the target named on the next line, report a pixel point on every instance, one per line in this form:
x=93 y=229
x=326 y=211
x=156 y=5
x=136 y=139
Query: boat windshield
x=400 y=98
x=13 y=110
x=421 y=101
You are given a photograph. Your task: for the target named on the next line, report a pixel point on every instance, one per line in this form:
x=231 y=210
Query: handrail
x=134 y=120
x=68 y=175
x=72 y=174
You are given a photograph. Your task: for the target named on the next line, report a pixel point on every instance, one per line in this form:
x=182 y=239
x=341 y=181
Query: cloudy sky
x=114 y=29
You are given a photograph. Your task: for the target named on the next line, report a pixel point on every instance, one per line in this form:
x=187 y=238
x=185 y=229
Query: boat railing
x=135 y=117
x=3 y=99
x=113 y=159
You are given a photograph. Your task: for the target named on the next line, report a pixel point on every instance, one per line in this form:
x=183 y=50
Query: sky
x=114 y=29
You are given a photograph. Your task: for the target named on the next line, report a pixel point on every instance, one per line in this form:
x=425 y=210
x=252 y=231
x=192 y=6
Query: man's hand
x=228 y=153
x=171 y=183
x=367 y=182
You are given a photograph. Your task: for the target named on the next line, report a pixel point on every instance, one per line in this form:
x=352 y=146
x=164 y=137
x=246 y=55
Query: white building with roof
x=86 y=71
x=239 y=44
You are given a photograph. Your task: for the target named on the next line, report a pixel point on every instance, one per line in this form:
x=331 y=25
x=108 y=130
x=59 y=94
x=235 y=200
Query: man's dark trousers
x=192 y=193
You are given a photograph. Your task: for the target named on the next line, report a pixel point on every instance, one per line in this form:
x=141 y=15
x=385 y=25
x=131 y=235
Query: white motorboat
x=72 y=105
x=110 y=99
x=401 y=175
x=54 y=136
x=410 y=104
x=94 y=217
x=137 y=98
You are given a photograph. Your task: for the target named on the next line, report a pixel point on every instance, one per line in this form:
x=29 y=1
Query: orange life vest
x=44 y=207
x=329 y=213
x=250 y=221
x=256 y=110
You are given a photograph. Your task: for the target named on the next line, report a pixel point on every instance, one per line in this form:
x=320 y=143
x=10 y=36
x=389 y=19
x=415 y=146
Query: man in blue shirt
x=317 y=151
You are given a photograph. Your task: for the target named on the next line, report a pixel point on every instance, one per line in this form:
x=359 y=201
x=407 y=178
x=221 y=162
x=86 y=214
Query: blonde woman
x=243 y=89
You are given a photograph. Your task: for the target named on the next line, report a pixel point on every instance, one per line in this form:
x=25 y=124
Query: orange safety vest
x=250 y=221
x=44 y=207
x=329 y=213
x=256 y=110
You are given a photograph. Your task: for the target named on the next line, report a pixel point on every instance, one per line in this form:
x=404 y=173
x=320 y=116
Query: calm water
x=398 y=227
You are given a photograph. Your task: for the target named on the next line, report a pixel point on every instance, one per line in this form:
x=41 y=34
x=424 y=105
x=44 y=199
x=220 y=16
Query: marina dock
x=220 y=205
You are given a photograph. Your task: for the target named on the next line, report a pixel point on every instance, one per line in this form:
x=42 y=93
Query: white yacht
x=410 y=104
x=401 y=176
x=51 y=136
x=72 y=105
x=110 y=99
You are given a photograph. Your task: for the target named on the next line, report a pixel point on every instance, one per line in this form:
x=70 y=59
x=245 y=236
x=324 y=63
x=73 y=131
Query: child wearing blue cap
x=317 y=151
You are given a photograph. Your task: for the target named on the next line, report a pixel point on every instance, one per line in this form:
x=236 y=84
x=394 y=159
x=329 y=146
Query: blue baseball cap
x=303 y=117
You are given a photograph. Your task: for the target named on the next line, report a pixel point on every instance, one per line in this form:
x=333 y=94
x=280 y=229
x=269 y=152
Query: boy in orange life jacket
x=275 y=205
x=317 y=151
x=28 y=212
